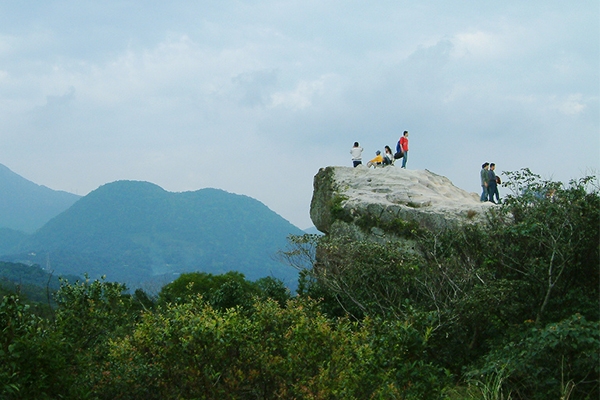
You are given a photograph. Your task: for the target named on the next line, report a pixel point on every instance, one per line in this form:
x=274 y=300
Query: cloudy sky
x=253 y=96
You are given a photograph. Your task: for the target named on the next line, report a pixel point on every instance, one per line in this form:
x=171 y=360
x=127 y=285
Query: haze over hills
x=136 y=232
x=10 y=239
x=26 y=206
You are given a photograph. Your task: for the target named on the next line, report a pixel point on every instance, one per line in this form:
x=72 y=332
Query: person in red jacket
x=403 y=142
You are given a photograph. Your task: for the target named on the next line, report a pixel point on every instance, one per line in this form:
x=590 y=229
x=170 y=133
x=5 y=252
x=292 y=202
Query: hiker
x=377 y=161
x=484 y=181
x=493 y=184
x=388 y=156
x=403 y=146
x=356 y=152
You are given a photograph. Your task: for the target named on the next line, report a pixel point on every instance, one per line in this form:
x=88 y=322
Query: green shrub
x=545 y=362
x=33 y=363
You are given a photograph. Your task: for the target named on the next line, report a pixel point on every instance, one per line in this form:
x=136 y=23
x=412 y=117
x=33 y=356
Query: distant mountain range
x=26 y=206
x=138 y=233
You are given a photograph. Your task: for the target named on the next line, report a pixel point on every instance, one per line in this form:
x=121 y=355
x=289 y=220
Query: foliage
x=89 y=315
x=300 y=251
x=532 y=269
x=192 y=350
x=272 y=288
x=545 y=362
x=142 y=301
x=367 y=278
x=29 y=281
x=224 y=291
x=32 y=358
x=482 y=286
x=101 y=347
x=337 y=210
x=397 y=226
x=506 y=310
x=553 y=243
x=91 y=311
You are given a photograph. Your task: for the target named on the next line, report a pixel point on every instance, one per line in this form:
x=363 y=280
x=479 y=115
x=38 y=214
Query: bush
x=549 y=362
x=33 y=362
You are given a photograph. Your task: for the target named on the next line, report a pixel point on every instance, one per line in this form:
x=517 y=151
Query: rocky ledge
x=384 y=201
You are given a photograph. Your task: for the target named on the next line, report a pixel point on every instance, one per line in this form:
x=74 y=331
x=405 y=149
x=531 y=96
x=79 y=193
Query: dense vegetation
x=506 y=310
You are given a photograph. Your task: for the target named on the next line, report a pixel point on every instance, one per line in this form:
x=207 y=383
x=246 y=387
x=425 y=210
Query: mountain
x=10 y=239
x=26 y=206
x=135 y=232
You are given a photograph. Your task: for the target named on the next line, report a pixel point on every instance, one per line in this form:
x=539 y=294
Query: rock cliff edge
x=362 y=201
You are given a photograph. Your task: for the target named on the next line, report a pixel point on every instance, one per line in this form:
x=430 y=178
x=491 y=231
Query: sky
x=253 y=97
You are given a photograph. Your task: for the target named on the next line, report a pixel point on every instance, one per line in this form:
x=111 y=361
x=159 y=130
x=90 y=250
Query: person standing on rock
x=493 y=184
x=484 y=181
x=356 y=152
x=403 y=145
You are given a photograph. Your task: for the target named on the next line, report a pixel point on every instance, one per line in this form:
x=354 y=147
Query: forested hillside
x=503 y=310
x=32 y=284
x=133 y=232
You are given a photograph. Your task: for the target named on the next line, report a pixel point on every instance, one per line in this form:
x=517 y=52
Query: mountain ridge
x=26 y=206
x=136 y=232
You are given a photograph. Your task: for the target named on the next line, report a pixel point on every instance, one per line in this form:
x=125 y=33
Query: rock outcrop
x=380 y=202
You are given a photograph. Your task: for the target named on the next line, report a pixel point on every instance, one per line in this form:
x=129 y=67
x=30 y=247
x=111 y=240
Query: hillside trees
x=223 y=291
x=33 y=360
x=101 y=346
x=506 y=309
x=487 y=290
x=553 y=243
x=193 y=350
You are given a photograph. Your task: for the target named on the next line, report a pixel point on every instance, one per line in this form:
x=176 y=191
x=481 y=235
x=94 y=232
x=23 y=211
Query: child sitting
x=377 y=161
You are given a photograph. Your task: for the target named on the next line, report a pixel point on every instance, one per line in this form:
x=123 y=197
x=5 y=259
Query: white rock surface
x=390 y=193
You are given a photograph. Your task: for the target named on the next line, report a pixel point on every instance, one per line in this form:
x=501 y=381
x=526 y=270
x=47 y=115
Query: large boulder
x=384 y=202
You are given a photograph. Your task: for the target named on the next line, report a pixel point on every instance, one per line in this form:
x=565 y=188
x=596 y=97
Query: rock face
x=378 y=202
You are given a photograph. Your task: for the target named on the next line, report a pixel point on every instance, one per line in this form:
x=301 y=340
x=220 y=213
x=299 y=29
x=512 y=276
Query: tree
x=272 y=288
x=554 y=244
x=480 y=287
x=223 y=291
x=89 y=312
x=33 y=361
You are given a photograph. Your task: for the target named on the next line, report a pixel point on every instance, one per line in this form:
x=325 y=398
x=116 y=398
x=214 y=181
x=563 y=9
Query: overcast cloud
x=253 y=97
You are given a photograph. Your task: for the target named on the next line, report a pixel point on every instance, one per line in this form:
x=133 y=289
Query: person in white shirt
x=356 y=152
x=388 y=156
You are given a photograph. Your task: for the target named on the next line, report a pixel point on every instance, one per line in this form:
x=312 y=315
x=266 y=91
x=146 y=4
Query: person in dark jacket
x=493 y=184
x=484 y=181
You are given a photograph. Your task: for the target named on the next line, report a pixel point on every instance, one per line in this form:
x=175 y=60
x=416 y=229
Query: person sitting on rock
x=377 y=161
x=388 y=156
